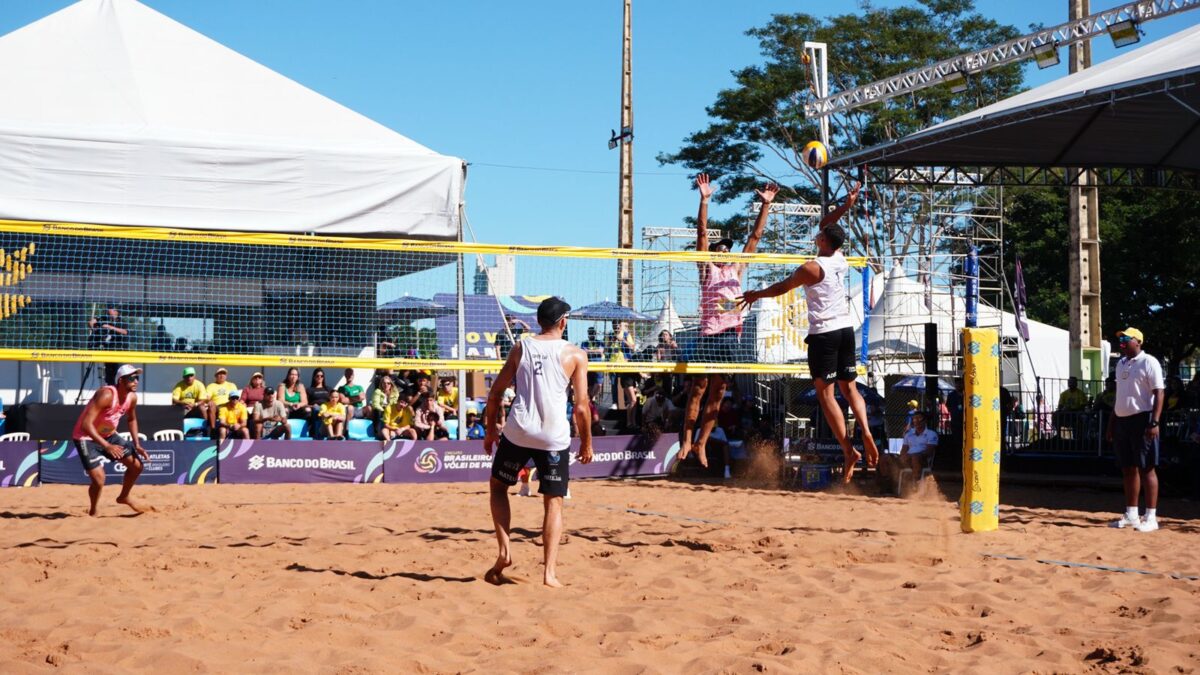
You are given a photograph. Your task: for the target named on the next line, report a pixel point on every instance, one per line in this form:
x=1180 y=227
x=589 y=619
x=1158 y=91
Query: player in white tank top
x=824 y=281
x=541 y=369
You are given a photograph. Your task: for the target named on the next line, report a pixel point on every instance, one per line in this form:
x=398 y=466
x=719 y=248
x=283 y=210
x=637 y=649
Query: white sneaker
x=1148 y=525
x=568 y=495
x=524 y=491
x=1126 y=522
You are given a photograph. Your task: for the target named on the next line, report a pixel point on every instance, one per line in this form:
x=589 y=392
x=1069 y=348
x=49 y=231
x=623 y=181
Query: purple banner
x=484 y=319
x=301 y=462
x=18 y=464
x=465 y=461
x=170 y=463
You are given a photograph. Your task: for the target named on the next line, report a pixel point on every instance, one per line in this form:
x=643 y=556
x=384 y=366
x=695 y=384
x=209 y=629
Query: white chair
x=126 y=436
x=14 y=436
x=926 y=471
x=169 y=435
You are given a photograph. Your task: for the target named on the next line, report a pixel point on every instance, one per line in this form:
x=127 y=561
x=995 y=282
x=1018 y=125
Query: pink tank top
x=108 y=419
x=721 y=286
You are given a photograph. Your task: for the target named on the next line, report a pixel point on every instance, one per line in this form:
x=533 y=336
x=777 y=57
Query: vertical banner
x=981 y=438
x=18 y=464
x=867 y=299
x=971 y=271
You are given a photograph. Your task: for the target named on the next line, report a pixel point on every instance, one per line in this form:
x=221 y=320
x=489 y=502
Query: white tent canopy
x=116 y=114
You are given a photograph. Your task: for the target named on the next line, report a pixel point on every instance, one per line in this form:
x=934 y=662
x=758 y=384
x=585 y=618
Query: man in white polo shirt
x=1133 y=427
x=918 y=441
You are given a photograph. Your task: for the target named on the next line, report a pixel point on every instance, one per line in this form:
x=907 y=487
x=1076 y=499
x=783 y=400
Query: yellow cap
x=913 y=403
x=1133 y=333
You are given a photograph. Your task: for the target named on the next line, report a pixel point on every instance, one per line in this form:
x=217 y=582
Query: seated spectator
x=475 y=430
x=1176 y=395
x=1071 y=401
x=428 y=420
x=381 y=373
x=232 y=417
x=270 y=418
x=396 y=421
x=594 y=348
x=316 y=395
x=292 y=394
x=253 y=393
x=355 y=395
x=385 y=394
x=422 y=382
x=912 y=410
x=919 y=443
x=658 y=412
x=333 y=417
x=1107 y=398
x=190 y=395
x=447 y=397
x=218 y=394
x=1043 y=417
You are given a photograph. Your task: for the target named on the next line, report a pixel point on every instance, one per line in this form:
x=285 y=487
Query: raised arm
x=807 y=274
x=705 y=190
x=496 y=398
x=836 y=214
x=767 y=195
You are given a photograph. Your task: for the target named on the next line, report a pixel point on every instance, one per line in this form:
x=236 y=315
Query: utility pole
x=625 y=214
x=1084 y=247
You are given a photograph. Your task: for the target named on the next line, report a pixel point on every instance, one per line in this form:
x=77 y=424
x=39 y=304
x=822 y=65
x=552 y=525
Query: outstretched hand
x=703 y=186
x=745 y=300
x=767 y=194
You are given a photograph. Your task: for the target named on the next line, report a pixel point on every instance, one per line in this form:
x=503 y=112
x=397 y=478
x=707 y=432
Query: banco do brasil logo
x=428 y=461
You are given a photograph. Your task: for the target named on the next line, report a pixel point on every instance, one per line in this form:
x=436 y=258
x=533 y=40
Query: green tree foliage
x=759 y=129
x=1148 y=257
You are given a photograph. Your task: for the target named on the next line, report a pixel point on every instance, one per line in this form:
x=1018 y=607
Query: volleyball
x=815 y=154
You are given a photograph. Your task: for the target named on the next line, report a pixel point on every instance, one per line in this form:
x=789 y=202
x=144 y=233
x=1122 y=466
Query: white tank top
x=538 y=418
x=827 y=308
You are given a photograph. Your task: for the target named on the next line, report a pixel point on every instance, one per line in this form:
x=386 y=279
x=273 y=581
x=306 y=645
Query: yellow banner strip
x=397 y=245
x=486 y=366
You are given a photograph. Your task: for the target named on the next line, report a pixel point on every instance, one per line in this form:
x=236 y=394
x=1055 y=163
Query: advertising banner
x=464 y=461
x=18 y=464
x=170 y=463
x=301 y=462
x=981 y=440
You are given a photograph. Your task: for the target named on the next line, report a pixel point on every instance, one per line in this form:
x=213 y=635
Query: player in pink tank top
x=720 y=318
x=96 y=439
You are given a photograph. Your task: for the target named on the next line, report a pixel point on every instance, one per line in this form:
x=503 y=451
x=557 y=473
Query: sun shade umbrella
x=609 y=311
x=409 y=308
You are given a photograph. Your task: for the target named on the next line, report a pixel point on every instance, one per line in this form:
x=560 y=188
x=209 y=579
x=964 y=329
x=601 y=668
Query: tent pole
x=462 y=317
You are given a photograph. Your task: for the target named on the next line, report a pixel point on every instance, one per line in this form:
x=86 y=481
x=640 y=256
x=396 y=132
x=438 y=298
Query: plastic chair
x=193 y=426
x=126 y=436
x=452 y=429
x=299 y=427
x=926 y=470
x=360 y=430
x=168 y=435
x=14 y=436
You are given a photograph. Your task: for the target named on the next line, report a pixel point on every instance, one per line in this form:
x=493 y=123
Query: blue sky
x=530 y=84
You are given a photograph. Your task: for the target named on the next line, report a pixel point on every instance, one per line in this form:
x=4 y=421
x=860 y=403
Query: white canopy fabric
x=116 y=114
x=1138 y=109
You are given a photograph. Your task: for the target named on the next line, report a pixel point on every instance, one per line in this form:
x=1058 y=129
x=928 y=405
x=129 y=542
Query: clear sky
x=531 y=83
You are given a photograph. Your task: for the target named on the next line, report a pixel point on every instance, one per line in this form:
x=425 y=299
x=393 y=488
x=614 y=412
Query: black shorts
x=831 y=355
x=91 y=455
x=553 y=467
x=1130 y=443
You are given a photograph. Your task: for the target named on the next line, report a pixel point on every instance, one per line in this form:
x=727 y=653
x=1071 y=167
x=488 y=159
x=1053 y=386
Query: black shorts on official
x=553 y=467
x=1130 y=443
x=92 y=456
x=831 y=355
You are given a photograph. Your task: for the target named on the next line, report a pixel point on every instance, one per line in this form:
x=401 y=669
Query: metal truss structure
x=1032 y=177
x=995 y=56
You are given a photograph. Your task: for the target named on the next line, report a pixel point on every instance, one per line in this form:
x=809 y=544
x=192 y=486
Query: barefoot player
x=96 y=436
x=830 y=332
x=720 y=318
x=542 y=368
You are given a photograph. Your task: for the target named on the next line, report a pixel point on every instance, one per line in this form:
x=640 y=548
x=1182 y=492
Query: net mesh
x=100 y=294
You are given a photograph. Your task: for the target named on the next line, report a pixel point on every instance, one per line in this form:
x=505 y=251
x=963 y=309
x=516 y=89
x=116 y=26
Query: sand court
x=661 y=577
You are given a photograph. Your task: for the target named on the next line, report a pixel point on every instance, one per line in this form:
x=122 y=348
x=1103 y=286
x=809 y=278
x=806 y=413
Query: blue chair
x=360 y=430
x=452 y=429
x=193 y=426
x=298 y=427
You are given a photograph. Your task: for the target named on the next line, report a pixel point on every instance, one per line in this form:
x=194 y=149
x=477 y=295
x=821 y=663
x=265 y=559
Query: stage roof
x=1140 y=110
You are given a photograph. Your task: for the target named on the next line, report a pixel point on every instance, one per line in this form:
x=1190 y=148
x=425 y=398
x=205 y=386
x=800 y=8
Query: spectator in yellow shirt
x=232 y=417
x=397 y=421
x=333 y=416
x=447 y=397
x=189 y=395
x=218 y=393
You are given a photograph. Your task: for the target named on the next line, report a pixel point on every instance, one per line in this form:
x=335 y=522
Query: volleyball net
x=92 y=293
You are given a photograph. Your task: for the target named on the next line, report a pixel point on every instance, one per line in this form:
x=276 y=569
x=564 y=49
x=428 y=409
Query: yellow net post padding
x=980 y=500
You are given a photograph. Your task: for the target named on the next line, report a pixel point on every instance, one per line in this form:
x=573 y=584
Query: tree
x=759 y=128
x=1150 y=269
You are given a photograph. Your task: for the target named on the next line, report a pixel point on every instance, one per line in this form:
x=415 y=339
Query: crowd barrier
x=30 y=463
